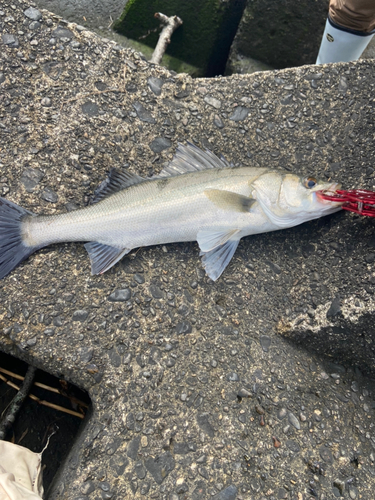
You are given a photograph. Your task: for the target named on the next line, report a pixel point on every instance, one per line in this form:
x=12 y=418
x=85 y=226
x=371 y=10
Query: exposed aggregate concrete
x=196 y=392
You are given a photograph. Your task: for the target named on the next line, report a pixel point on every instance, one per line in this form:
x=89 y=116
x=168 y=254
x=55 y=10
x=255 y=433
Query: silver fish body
x=154 y=212
x=198 y=197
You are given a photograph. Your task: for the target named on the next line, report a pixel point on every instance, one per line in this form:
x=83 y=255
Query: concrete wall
x=279 y=33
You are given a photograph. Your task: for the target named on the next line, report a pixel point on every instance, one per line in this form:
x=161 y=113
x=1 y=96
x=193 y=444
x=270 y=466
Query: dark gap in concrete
x=219 y=56
x=35 y=422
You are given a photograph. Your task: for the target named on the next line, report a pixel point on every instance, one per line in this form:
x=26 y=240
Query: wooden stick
x=20 y=377
x=46 y=387
x=42 y=402
x=10 y=414
x=56 y=407
x=171 y=24
x=9 y=382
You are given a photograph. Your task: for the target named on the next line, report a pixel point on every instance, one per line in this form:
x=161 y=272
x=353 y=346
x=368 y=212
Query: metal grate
x=53 y=406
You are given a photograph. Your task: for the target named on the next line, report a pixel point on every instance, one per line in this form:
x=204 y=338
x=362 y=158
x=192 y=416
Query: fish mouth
x=335 y=186
x=331 y=192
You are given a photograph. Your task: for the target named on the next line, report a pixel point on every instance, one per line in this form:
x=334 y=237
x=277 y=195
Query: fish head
x=289 y=199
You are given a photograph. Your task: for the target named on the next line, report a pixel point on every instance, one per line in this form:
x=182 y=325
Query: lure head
x=288 y=199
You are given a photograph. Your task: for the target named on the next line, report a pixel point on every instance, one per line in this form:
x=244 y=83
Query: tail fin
x=12 y=249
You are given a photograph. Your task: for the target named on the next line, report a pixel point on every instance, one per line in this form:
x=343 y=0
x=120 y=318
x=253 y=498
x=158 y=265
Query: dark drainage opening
x=61 y=408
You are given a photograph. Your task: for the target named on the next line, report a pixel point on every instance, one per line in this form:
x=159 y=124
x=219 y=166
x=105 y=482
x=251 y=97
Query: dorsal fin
x=115 y=182
x=190 y=158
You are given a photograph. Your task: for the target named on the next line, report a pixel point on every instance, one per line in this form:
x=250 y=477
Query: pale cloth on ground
x=20 y=473
x=356 y=15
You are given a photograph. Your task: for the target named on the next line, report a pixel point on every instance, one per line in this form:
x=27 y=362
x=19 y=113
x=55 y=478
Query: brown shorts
x=357 y=15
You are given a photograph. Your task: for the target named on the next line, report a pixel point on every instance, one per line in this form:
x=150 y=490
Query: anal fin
x=216 y=260
x=208 y=239
x=103 y=257
x=217 y=247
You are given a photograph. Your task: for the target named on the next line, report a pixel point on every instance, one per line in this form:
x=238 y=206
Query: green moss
x=204 y=38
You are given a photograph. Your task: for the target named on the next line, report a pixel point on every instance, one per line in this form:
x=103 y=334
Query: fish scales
x=153 y=212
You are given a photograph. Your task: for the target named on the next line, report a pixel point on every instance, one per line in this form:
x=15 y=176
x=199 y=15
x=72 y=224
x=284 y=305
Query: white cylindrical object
x=341 y=45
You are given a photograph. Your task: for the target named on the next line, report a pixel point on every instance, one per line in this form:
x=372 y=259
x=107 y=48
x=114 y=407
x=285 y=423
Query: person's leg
x=349 y=28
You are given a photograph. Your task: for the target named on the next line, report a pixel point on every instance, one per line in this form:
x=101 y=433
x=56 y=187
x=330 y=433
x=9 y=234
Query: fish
x=197 y=197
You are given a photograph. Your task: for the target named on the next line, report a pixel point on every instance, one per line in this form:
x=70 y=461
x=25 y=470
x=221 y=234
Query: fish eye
x=309 y=182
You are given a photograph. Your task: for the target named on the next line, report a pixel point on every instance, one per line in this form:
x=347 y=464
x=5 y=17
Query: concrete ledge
x=195 y=392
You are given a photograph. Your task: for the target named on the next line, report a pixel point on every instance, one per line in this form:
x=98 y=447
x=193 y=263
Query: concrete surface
x=199 y=389
x=369 y=52
x=94 y=14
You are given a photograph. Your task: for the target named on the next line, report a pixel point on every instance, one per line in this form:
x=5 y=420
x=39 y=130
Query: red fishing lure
x=360 y=201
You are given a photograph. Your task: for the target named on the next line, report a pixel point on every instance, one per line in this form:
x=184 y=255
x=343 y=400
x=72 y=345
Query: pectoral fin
x=227 y=200
x=217 y=248
x=103 y=257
